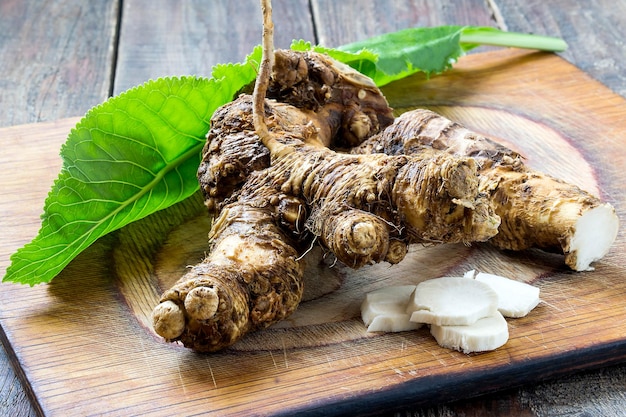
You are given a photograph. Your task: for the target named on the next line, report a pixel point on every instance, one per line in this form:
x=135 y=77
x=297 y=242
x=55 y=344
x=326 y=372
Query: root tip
x=168 y=320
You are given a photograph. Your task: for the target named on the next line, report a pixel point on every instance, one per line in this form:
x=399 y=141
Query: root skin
x=351 y=105
x=251 y=279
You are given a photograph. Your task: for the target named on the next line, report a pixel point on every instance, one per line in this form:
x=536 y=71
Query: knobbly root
x=168 y=320
x=544 y=212
x=439 y=200
x=362 y=208
x=351 y=105
x=275 y=178
x=396 y=252
x=536 y=210
x=355 y=237
x=201 y=303
x=201 y=328
x=251 y=279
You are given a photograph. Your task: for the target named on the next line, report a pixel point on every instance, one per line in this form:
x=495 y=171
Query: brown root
x=276 y=180
x=440 y=201
x=353 y=205
x=397 y=251
x=251 y=279
x=355 y=237
x=350 y=104
x=536 y=210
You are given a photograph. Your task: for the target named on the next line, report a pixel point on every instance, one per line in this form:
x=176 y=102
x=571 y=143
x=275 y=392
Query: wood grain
x=341 y=22
x=83 y=340
x=598 y=52
x=49 y=49
x=13 y=398
x=21 y=213
x=165 y=38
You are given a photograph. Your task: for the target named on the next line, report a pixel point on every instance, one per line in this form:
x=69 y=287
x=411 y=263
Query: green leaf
x=431 y=50
x=400 y=54
x=135 y=154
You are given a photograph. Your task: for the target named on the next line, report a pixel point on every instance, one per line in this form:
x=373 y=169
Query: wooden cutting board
x=84 y=343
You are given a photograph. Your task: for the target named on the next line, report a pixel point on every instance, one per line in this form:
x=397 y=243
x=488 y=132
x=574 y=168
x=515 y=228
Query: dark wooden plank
x=594 y=31
x=55 y=58
x=55 y=61
x=339 y=22
x=166 y=38
x=13 y=398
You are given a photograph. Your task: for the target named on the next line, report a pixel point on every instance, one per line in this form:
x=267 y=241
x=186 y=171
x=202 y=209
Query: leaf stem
x=489 y=36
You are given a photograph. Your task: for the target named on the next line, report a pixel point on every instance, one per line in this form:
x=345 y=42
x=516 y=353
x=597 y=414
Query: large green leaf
x=135 y=154
x=396 y=55
x=402 y=53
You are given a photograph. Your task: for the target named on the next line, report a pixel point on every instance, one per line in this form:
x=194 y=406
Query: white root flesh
x=594 y=234
x=452 y=301
x=464 y=313
x=488 y=333
x=515 y=299
x=384 y=310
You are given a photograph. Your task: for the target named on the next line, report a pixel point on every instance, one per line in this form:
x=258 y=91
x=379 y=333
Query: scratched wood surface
x=84 y=342
x=50 y=51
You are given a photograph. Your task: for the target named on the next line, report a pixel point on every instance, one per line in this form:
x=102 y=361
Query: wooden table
x=61 y=57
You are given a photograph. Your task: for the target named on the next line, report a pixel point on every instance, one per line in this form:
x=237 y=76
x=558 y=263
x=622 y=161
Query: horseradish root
x=536 y=210
x=251 y=278
x=315 y=156
x=275 y=187
x=356 y=206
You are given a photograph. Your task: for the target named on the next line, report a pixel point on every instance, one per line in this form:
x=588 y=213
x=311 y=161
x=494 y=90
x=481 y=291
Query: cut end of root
x=594 y=234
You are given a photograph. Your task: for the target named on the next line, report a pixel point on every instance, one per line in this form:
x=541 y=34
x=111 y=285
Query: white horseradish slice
x=488 y=333
x=464 y=313
x=515 y=299
x=384 y=310
x=452 y=301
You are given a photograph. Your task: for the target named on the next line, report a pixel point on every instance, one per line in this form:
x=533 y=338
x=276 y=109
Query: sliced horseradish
x=451 y=301
x=515 y=299
x=488 y=333
x=384 y=310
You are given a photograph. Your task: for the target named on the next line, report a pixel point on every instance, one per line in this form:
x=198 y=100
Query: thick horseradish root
x=362 y=208
x=536 y=210
x=278 y=177
x=276 y=188
x=250 y=279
